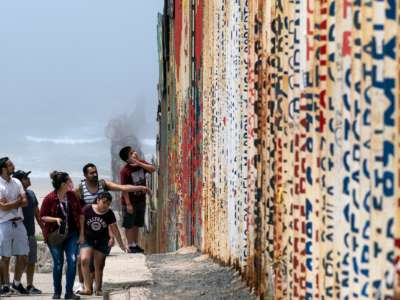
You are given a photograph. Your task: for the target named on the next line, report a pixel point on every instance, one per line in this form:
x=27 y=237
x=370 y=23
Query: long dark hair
x=58 y=178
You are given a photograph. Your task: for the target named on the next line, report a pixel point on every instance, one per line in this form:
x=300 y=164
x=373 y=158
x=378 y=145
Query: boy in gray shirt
x=30 y=212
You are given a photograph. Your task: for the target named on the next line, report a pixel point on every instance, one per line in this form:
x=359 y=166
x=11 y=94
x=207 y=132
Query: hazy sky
x=67 y=68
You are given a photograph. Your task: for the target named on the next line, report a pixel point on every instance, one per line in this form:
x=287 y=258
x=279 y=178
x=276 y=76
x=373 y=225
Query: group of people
x=76 y=222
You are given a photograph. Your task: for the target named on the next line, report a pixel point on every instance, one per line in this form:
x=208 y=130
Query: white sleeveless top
x=86 y=195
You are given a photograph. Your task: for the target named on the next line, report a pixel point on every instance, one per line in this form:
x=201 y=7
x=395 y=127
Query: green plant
x=39 y=237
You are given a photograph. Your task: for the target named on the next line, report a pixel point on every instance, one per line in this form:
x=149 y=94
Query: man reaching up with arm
x=133 y=203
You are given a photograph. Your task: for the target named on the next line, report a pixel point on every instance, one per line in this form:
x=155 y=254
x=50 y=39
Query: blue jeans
x=70 y=247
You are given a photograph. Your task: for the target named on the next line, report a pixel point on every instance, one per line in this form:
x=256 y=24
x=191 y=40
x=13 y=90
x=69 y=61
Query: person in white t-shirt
x=13 y=236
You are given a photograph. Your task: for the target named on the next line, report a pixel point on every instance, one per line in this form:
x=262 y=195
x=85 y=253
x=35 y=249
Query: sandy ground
x=185 y=274
x=121 y=272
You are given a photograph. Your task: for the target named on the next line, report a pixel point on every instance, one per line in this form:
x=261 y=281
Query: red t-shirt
x=133 y=175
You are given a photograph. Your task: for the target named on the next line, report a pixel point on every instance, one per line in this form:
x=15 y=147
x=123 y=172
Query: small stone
x=187 y=250
x=201 y=258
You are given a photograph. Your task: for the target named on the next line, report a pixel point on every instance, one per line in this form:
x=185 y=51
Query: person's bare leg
x=30 y=270
x=132 y=235
x=2 y=279
x=85 y=255
x=20 y=266
x=91 y=270
x=135 y=234
x=91 y=280
x=129 y=235
x=79 y=266
x=5 y=269
x=99 y=262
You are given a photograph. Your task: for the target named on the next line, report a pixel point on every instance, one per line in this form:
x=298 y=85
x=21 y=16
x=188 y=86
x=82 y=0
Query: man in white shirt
x=13 y=236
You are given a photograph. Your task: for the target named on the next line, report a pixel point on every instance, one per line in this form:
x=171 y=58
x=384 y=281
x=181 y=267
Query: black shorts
x=99 y=245
x=137 y=217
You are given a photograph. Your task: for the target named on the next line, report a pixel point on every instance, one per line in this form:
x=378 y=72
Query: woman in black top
x=94 y=239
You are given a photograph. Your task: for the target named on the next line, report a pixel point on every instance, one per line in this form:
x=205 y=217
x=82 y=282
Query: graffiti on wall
x=278 y=139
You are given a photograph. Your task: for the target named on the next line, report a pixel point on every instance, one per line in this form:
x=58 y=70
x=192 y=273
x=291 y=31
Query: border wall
x=278 y=142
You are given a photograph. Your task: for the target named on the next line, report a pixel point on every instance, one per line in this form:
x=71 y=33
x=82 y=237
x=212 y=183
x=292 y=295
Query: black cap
x=21 y=174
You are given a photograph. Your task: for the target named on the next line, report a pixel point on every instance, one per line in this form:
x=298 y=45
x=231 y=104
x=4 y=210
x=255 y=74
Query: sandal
x=86 y=293
x=99 y=293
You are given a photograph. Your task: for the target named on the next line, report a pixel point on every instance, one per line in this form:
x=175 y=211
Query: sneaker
x=56 y=296
x=32 y=290
x=135 y=249
x=72 y=296
x=5 y=291
x=19 y=289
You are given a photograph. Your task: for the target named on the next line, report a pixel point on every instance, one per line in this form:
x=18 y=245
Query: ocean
x=42 y=186
x=42 y=155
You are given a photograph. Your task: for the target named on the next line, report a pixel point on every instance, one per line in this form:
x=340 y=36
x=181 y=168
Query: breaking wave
x=63 y=140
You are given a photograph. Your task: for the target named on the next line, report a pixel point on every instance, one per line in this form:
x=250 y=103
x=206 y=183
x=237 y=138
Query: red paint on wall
x=199 y=34
x=346 y=43
x=347 y=4
x=196 y=127
x=178 y=34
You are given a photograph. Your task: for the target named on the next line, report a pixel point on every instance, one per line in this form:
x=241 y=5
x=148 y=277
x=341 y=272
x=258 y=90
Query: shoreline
x=41 y=186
